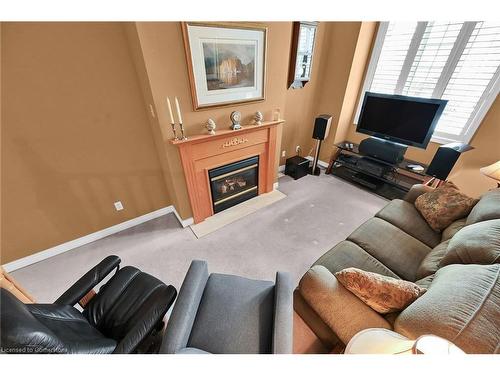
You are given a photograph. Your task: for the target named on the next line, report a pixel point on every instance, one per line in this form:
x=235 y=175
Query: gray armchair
x=227 y=314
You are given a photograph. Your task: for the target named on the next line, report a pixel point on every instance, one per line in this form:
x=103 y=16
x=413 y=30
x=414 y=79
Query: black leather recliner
x=121 y=318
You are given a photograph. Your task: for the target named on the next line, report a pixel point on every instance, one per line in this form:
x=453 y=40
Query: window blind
x=391 y=60
x=469 y=82
x=456 y=61
x=430 y=59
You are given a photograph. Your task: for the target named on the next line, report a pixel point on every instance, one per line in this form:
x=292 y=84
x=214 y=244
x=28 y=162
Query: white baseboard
x=275 y=185
x=321 y=163
x=71 y=245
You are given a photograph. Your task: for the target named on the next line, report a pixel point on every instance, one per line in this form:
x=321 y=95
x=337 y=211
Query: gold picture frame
x=240 y=76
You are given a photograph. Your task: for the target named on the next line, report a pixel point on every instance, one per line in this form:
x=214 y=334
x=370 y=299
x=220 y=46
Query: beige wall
x=75 y=135
x=341 y=51
x=77 y=132
x=487 y=151
x=341 y=47
x=300 y=104
x=160 y=46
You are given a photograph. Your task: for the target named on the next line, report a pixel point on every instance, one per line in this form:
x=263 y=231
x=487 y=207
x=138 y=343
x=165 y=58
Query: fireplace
x=201 y=155
x=234 y=183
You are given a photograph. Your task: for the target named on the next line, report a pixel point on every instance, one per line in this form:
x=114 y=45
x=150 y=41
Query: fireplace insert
x=234 y=183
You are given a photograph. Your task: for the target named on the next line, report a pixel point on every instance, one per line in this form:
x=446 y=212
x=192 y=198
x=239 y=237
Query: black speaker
x=381 y=149
x=322 y=127
x=445 y=158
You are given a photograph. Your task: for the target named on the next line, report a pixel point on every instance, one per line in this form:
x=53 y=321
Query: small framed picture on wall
x=226 y=62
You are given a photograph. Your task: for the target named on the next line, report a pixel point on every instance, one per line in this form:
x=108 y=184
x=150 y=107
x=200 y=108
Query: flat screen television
x=402 y=119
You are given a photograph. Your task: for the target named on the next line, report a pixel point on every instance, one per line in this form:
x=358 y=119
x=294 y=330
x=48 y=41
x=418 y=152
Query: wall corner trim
x=184 y=222
x=74 y=244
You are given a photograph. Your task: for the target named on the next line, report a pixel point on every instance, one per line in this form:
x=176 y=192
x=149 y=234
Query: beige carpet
x=288 y=235
x=226 y=217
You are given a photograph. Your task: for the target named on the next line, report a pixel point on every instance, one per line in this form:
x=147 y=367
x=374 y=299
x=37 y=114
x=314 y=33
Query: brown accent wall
x=161 y=61
x=300 y=108
x=78 y=134
x=341 y=48
x=341 y=51
x=75 y=135
x=487 y=151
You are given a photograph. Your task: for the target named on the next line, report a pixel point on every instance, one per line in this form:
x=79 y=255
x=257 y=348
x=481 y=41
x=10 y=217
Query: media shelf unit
x=393 y=183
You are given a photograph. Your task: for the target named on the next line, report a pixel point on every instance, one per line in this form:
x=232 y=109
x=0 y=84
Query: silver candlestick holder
x=183 y=137
x=173 y=131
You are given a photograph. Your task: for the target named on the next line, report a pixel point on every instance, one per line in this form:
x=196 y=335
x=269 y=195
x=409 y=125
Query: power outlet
x=297 y=149
x=283 y=154
x=118 y=206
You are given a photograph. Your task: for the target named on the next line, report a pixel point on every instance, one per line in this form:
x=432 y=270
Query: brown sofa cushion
x=461 y=305
x=416 y=191
x=452 y=229
x=443 y=206
x=382 y=293
x=430 y=264
x=488 y=208
x=425 y=282
x=475 y=244
x=343 y=312
x=397 y=250
x=405 y=216
x=347 y=254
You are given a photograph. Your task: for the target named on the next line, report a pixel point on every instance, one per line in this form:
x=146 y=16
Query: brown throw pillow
x=443 y=206
x=383 y=294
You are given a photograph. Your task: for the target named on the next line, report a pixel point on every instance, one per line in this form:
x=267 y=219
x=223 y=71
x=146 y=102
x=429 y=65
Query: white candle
x=170 y=111
x=178 y=110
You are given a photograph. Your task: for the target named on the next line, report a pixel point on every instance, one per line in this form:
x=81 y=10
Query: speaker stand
x=314 y=170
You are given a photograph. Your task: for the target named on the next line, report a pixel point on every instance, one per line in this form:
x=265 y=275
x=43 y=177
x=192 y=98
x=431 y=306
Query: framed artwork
x=226 y=63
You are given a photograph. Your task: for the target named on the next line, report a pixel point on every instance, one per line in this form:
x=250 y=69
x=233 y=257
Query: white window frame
x=484 y=103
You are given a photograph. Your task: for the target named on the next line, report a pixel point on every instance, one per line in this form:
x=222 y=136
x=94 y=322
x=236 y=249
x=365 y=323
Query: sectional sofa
x=459 y=266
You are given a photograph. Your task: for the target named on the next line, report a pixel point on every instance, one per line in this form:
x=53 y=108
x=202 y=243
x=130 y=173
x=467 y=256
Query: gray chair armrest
x=341 y=310
x=416 y=191
x=184 y=312
x=283 y=314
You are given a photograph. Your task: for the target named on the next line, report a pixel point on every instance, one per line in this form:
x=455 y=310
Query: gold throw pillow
x=383 y=294
x=443 y=206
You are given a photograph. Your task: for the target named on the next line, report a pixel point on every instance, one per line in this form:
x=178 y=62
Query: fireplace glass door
x=234 y=183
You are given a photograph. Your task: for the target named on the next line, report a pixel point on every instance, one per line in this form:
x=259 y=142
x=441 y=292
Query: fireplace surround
x=234 y=183
x=204 y=156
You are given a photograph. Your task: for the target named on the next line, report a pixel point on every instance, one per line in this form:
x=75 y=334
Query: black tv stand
x=385 y=179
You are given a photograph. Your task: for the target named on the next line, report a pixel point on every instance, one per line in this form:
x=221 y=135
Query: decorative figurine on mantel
x=235 y=119
x=210 y=125
x=258 y=118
